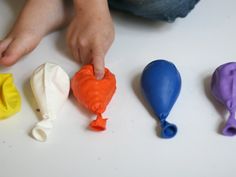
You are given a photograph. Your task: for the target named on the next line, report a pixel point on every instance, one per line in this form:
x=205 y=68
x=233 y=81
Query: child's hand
x=91 y=33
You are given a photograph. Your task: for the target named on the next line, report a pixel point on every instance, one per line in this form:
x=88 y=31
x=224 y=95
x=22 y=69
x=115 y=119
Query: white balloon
x=50 y=85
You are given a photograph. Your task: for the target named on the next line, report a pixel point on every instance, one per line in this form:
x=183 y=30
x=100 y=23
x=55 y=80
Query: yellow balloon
x=10 y=101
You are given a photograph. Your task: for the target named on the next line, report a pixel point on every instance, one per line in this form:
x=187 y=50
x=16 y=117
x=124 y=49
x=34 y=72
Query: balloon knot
x=99 y=124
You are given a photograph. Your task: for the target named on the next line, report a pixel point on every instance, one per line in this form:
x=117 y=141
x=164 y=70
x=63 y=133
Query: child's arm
x=91 y=33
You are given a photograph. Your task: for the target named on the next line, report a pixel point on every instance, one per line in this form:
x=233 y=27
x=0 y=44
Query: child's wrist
x=89 y=3
x=92 y=6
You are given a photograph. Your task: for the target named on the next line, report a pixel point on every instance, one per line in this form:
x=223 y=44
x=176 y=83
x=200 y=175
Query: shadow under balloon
x=217 y=105
x=138 y=92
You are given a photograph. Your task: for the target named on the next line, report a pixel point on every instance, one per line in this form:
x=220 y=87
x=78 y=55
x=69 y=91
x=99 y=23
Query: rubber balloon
x=10 y=100
x=161 y=84
x=223 y=87
x=94 y=94
x=50 y=85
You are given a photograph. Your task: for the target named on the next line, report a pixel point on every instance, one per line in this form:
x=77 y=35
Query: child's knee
x=167 y=10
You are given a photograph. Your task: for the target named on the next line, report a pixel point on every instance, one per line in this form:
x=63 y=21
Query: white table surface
x=130 y=147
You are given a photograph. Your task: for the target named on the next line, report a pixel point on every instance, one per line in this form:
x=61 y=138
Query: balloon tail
x=99 y=124
x=230 y=126
x=168 y=130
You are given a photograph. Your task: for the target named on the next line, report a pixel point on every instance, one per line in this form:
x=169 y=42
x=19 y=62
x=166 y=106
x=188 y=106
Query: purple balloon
x=223 y=87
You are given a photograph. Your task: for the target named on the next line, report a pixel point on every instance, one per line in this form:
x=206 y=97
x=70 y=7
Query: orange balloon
x=94 y=94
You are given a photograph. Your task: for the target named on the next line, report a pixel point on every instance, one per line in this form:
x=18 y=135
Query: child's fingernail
x=99 y=76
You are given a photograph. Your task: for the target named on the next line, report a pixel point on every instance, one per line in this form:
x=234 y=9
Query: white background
x=130 y=147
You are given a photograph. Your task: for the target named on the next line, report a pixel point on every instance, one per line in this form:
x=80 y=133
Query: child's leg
x=167 y=10
x=38 y=18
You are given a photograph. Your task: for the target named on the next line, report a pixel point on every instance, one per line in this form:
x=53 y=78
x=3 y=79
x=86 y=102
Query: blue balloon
x=161 y=84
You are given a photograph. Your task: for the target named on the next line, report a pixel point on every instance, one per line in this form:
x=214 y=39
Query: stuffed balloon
x=161 y=84
x=223 y=87
x=94 y=94
x=10 y=100
x=50 y=85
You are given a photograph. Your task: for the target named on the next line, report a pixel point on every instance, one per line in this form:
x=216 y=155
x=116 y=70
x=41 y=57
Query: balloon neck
x=230 y=126
x=168 y=130
x=99 y=124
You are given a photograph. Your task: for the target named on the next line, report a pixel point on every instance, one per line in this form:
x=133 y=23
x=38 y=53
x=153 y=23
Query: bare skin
x=90 y=33
x=32 y=24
